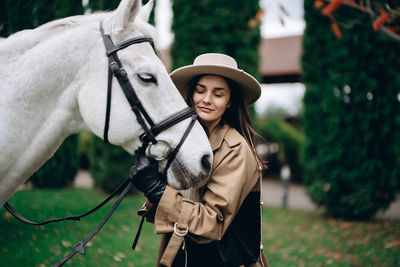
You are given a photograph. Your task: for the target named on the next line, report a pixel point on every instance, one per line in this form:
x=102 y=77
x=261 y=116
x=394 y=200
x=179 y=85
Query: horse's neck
x=44 y=77
x=22 y=41
x=38 y=107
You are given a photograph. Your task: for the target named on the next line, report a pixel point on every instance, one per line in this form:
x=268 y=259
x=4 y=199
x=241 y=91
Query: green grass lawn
x=290 y=238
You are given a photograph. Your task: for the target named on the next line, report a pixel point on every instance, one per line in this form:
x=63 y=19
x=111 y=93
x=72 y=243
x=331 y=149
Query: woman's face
x=211 y=97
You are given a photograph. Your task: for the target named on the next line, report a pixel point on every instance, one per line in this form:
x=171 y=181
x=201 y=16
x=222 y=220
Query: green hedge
x=16 y=15
x=216 y=26
x=108 y=5
x=60 y=170
x=290 y=141
x=109 y=165
x=351 y=115
x=103 y=5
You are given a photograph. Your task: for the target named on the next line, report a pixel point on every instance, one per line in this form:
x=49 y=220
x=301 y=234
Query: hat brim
x=249 y=86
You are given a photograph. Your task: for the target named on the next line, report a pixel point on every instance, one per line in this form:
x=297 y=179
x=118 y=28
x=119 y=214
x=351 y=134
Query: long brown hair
x=236 y=116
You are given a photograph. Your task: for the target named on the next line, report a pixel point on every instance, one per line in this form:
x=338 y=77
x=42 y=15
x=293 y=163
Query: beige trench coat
x=235 y=174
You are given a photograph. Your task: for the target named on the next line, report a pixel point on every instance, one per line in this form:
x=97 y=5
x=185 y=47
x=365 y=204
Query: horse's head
x=154 y=89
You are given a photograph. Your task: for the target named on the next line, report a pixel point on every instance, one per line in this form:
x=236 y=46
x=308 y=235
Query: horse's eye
x=147 y=78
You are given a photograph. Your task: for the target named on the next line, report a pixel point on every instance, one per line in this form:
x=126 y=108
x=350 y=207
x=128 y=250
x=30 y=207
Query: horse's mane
x=26 y=39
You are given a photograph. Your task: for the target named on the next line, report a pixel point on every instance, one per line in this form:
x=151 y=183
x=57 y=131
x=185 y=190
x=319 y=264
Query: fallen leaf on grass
x=7 y=215
x=116 y=258
x=346 y=225
x=121 y=255
x=4 y=249
x=57 y=232
x=393 y=244
x=324 y=252
x=365 y=240
x=300 y=263
x=66 y=244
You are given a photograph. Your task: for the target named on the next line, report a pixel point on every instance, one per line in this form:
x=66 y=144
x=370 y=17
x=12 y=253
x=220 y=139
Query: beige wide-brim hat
x=217 y=64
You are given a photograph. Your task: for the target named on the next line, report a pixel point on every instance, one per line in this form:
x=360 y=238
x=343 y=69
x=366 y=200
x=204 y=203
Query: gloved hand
x=146 y=178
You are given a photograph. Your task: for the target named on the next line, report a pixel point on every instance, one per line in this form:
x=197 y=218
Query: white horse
x=53 y=83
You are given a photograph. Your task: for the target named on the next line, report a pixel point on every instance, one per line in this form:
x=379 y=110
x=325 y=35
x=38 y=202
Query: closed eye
x=147 y=78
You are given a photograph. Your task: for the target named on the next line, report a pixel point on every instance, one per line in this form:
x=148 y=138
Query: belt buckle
x=179 y=234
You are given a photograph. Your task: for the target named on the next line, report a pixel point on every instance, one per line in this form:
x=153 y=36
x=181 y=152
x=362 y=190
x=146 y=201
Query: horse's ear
x=127 y=12
x=145 y=11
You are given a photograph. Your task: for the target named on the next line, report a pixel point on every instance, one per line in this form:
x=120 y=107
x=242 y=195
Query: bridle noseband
x=151 y=130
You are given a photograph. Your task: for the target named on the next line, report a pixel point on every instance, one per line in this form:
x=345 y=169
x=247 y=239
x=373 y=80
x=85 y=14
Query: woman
x=223 y=227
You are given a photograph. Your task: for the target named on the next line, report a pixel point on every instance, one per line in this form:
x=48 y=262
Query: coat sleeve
x=230 y=183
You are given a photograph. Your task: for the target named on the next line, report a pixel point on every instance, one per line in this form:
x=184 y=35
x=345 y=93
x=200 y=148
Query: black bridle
x=148 y=138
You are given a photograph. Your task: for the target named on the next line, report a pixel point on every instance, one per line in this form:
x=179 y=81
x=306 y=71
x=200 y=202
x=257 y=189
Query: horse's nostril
x=206 y=163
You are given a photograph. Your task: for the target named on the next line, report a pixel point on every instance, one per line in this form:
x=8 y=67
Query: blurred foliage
x=226 y=26
x=275 y=112
x=109 y=165
x=108 y=5
x=289 y=139
x=60 y=170
x=16 y=15
x=84 y=146
x=351 y=115
x=103 y=5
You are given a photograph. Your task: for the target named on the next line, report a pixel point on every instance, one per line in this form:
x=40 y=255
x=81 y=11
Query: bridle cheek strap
x=115 y=69
x=184 y=136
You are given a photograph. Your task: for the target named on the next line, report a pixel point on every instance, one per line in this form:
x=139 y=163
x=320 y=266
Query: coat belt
x=181 y=228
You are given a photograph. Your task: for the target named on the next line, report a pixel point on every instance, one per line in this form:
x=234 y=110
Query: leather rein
x=148 y=138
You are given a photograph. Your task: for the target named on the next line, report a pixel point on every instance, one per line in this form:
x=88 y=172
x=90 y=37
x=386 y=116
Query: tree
x=289 y=139
x=11 y=20
x=104 y=5
x=35 y=13
x=226 y=26
x=351 y=115
x=384 y=15
x=109 y=165
x=98 y=5
x=61 y=169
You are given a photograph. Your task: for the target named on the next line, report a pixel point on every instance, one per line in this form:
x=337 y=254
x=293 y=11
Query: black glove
x=145 y=176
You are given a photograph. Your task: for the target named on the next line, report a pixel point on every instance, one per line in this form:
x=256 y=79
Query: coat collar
x=221 y=133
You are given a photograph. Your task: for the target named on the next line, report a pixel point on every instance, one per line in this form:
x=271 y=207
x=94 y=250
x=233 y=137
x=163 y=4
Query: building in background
x=280 y=59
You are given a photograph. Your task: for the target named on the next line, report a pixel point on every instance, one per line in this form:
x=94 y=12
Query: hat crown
x=215 y=59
